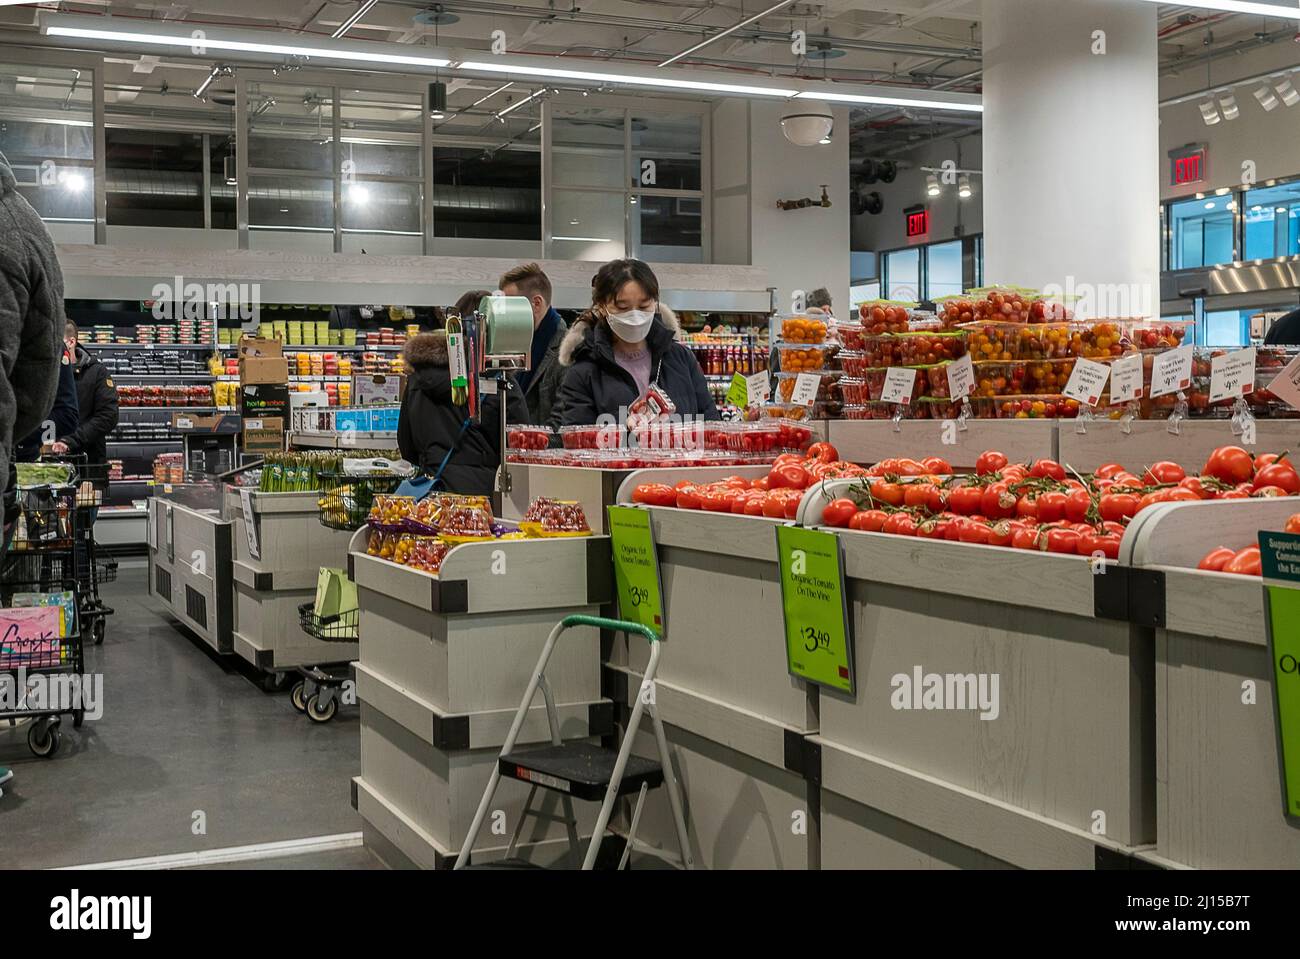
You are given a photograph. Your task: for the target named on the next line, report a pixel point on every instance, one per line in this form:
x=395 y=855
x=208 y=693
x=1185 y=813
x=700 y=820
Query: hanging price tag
x=636 y=567
x=899 y=384
x=738 y=392
x=1286 y=385
x=1126 y=379
x=961 y=377
x=184 y=423
x=818 y=638
x=250 y=522
x=1172 y=372
x=1087 y=381
x=1232 y=375
x=759 y=387
x=805 y=389
x=456 y=359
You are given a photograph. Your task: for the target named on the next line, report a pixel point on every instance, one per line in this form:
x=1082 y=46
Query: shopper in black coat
x=97 y=403
x=606 y=350
x=430 y=424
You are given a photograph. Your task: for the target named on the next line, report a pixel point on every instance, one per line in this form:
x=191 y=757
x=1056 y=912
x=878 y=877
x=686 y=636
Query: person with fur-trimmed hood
x=624 y=344
x=430 y=424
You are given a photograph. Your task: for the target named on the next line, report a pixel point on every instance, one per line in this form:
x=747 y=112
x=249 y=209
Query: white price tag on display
x=961 y=377
x=252 y=424
x=456 y=359
x=250 y=522
x=805 y=389
x=1126 y=379
x=1172 y=371
x=184 y=423
x=487 y=387
x=758 y=388
x=1232 y=375
x=899 y=384
x=1087 y=381
x=1286 y=385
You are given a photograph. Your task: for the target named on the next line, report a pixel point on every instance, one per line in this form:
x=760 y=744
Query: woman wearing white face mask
x=623 y=345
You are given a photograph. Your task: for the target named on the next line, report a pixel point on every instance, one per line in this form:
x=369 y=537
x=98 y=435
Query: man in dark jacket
x=1285 y=330
x=430 y=424
x=97 y=405
x=64 y=416
x=542 y=381
x=595 y=384
x=31 y=322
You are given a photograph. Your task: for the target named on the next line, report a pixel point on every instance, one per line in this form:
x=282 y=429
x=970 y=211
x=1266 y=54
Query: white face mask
x=632 y=326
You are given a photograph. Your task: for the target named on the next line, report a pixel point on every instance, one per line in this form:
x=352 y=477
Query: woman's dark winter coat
x=430 y=423
x=594 y=383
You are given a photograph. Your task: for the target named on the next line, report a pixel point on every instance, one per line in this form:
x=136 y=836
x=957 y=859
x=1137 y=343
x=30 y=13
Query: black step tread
x=582 y=770
x=512 y=863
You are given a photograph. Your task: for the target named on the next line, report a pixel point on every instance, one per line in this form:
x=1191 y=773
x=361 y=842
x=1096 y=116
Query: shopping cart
x=40 y=569
x=317 y=693
x=91 y=570
x=346 y=498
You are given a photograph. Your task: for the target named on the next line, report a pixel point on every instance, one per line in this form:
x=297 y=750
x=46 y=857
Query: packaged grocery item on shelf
x=528 y=437
x=1024 y=407
x=803 y=329
x=931 y=408
x=914 y=349
x=875 y=379
x=889 y=316
x=854 y=363
x=550 y=517
x=854 y=391
x=956 y=310
x=758 y=437
x=427 y=554
x=1021 y=377
x=1005 y=304
x=465 y=524
x=796 y=358
x=591 y=437
x=390 y=512
x=876 y=411
x=826 y=388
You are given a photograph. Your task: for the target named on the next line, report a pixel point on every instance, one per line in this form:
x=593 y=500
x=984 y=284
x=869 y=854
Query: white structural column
x=1071 y=144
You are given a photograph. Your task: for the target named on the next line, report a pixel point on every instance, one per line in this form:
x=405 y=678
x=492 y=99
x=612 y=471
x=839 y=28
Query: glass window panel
x=666 y=151
x=1226 y=328
x=668 y=228
x=587 y=147
x=381 y=207
x=863 y=293
x=487 y=194
x=155 y=178
x=45 y=133
x=587 y=226
x=903 y=275
x=381 y=132
x=296 y=203
x=290 y=127
x=944 y=277
x=221 y=149
x=1202 y=232
x=1273 y=221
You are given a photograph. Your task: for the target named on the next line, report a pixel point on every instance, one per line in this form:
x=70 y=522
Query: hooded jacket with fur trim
x=594 y=384
x=430 y=424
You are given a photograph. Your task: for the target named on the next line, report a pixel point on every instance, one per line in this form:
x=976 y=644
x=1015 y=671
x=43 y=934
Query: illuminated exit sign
x=1188 y=165
x=918 y=222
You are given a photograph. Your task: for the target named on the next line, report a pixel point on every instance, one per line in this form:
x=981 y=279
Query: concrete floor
x=183 y=731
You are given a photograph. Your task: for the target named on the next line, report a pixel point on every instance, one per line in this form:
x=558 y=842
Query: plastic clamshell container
x=1024 y=407
x=805 y=358
x=801 y=328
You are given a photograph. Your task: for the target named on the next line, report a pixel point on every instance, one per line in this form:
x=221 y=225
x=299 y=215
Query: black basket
x=329 y=629
x=52 y=653
x=46 y=519
x=345 y=499
x=106 y=570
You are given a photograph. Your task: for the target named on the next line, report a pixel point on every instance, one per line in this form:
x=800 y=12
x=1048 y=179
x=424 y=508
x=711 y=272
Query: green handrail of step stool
x=617 y=625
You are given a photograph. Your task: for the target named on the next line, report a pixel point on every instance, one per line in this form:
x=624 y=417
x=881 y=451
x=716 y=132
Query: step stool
x=581 y=770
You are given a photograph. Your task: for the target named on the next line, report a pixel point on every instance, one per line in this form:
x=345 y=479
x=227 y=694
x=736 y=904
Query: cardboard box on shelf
x=263 y=434
x=264 y=399
x=196 y=423
x=259 y=346
x=264 y=369
x=378 y=389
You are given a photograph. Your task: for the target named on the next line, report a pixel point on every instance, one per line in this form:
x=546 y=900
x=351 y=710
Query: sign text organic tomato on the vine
x=819 y=645
x=636 y=567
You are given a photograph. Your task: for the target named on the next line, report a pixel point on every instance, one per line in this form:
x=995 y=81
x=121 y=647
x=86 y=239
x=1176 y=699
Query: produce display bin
x=1218 y=792
x=735 y=717
x=1066 y=766
x=444 y=660
x=190 y=565
x=292 y=547
x=1149 y=441
x=868 y=441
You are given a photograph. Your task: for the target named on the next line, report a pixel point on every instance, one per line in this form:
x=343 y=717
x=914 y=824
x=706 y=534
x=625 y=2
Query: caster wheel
x=78 y=717
x=297 y=696
x=97 y=632
x=44 y=739
x=274 y=682
x=319 y=713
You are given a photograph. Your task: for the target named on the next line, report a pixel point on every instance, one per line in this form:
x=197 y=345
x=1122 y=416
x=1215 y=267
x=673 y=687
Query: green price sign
x=818 y=644
x=738 y=392
x=636 y=567
x=1279 y=555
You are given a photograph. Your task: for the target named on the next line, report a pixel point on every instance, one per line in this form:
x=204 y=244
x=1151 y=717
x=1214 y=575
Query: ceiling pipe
x=352 y=21
x=723 y=33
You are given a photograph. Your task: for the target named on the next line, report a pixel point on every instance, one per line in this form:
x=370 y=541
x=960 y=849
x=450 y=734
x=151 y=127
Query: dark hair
x=820 y=298
x=530 y=280
x=611 y=277
x=469 y=302
x=70 y=329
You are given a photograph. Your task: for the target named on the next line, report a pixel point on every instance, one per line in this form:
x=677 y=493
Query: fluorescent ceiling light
x=1228 y=103
x=1266 y=98
x=1209 y=112
x=1256 y=208
x=74 y=182
x=1242 y=6
x=1287 y=91
x=889 y=101
x=1210 y=205
x=244 y=46
x=583 y=239
x=669 y=83
x=359 y=195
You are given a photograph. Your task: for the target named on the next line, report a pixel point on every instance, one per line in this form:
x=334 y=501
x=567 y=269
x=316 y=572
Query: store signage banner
x=818 y=643
x=1279 y=555
x=636 y=568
